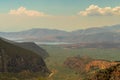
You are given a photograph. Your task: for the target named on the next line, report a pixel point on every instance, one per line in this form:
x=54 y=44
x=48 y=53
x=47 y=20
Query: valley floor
x=59 y=54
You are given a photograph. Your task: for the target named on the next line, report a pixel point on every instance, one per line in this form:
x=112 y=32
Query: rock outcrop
x=111 y=73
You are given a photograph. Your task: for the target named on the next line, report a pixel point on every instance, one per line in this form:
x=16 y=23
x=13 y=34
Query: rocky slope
x=16 y=59
x=111 y=73
x=94 y=69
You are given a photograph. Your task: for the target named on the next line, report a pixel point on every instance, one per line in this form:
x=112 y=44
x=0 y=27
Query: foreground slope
x=94 y=69
x=30 y=46
x=14 y=58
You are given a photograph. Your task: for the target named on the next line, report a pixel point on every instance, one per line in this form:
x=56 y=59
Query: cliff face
x=14 y=58
x=30 y=46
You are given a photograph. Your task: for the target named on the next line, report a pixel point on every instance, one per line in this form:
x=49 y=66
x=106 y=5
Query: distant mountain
x=90 y=35
x=34 y=35
x=113 y=28
x=14 y=58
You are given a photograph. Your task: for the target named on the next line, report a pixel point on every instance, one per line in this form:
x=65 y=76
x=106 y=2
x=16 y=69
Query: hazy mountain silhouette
x=102 y=34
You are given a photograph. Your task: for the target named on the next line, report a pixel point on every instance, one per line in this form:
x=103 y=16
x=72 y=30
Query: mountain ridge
x=102 y=34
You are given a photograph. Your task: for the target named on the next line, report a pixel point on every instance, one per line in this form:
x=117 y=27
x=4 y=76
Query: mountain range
x=90 y=35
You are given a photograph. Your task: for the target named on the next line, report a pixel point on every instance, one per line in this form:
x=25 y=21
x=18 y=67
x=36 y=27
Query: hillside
x=112 y=73
x=87 y=64
x=17 y=59
x=101 y=69
x=30 y=46
x=33 y=47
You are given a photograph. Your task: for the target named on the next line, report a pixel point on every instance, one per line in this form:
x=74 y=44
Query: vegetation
x=85 y=65
x=59 y=54
x=21 y=76
x=112 y=73
x=78 y=63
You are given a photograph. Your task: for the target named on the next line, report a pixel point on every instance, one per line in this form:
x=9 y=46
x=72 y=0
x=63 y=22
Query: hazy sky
x=17 y=15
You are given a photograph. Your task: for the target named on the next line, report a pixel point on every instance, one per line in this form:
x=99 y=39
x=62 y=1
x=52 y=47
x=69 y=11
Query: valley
x=59 y=39
x=58 y=56
x=58 y=61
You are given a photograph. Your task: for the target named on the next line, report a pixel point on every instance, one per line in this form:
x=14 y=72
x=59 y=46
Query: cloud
x=24 y=11
x=94 y=10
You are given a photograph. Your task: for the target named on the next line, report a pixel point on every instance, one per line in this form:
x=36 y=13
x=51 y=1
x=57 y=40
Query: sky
x=68 y=15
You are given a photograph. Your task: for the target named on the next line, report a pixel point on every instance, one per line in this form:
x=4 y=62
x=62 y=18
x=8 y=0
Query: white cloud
x=24 y=11
x=94 y=10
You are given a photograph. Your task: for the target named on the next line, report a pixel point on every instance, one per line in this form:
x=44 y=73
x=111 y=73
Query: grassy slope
x=59 y=54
